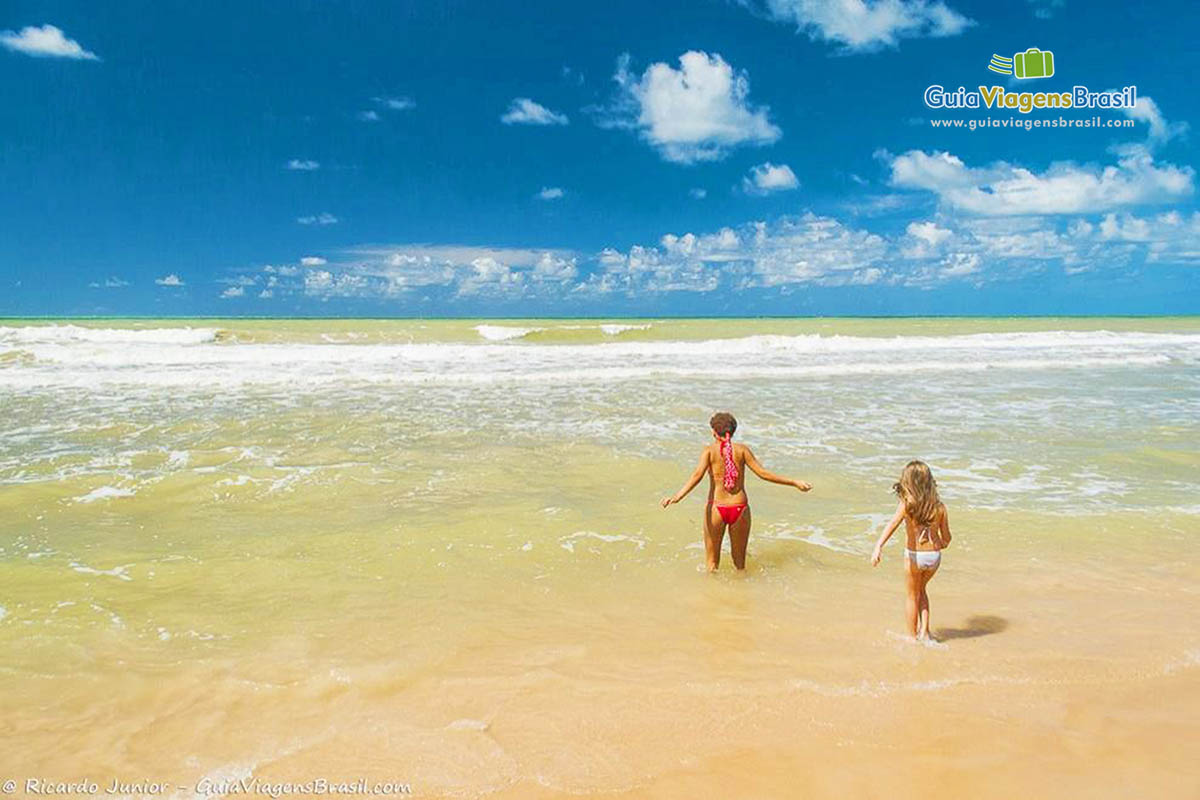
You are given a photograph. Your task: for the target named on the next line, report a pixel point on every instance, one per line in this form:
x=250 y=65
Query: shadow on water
x=979 y=625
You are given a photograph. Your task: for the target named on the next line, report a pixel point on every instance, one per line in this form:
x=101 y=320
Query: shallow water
x=432 y=552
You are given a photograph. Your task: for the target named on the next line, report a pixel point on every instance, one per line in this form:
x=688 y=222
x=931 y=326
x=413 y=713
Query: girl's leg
x=714 y=534
x=923 y=615
x=739 y=538
x=912 y=603
x=926 y=577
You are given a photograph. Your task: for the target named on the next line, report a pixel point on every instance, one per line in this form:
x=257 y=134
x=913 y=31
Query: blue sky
x=465 y=158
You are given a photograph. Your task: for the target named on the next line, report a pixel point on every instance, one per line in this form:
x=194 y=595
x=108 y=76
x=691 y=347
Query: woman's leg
x=739 y=538
x=714 y=534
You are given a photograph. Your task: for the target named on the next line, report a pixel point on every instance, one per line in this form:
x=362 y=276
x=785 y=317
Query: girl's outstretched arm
x=701 y=468
x=897 y=518
x=767 y=475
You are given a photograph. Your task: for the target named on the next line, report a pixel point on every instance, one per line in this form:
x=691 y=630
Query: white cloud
x=369 y=116
x=925 y=239
x=768 y=177
x=555 y=267
x=1160 y=131
x=302 y=164
x=550 y=193
x=957 y=265
x=111 y=282
x=1044 y=9
x=698 y=194
x=806 y=250
x=395 y=103
x=866 y=25
x=697 y=112
x=488 y=273
x=823 y=251
x=318 y=280
x=170 y=280
x=1125 y=228
x=1172 y=237
x=1064 y=188
x=323 y=218
x=866 y=277
x=928 y=232
x=523 y=111
x=45 y=42
x=233 y=291
x=996 y=248
x=393 y=271
x=780 y=255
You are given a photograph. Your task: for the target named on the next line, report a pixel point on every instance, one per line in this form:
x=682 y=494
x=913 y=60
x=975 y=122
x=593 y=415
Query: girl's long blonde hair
x=918 y=490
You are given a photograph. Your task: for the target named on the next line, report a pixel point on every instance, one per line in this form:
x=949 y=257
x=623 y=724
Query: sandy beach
x=432 y=553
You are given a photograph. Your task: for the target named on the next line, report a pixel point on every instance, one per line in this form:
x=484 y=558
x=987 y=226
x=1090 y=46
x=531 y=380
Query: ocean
x=431 y=552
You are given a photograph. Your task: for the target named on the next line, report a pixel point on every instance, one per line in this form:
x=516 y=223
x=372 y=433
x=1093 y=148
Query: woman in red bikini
x=727 y=507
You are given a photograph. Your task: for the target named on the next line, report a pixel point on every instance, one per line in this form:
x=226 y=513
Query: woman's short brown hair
x=723 y=423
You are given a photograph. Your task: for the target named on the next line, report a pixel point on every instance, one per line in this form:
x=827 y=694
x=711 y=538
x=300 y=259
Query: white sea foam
x=121 y=572
x=883 y=688
x=104 y=493
x=819 y=538
x=41 y=334
x=190 y=358
x=118 y=394
x=1188 y=660
x=299 y=370
x=568 y=542
x=617 y=330
x=113 y=617
x=468 y=725
x=502 y=333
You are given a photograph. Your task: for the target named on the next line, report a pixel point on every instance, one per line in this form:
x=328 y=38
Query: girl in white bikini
x=927 y=526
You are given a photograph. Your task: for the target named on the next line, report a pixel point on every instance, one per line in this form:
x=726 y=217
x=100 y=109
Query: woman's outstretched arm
x=897 y=518
x=701 y=468
x=767 y=475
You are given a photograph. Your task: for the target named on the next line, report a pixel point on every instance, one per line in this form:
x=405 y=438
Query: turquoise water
x=458 y=522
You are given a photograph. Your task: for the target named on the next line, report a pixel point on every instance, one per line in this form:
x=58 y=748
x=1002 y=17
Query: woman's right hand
x=876 y=554
x=802 y=486
x=666 y=501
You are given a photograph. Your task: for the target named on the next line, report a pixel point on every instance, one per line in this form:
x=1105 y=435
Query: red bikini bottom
x=730 y=514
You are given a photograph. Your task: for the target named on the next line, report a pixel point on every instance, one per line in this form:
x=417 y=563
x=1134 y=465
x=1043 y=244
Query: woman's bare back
x=716 y=475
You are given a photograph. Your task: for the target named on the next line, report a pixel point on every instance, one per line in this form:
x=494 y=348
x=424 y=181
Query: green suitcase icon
x=1033 y=63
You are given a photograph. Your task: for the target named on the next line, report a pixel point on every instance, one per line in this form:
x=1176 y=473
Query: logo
x=1033 y=63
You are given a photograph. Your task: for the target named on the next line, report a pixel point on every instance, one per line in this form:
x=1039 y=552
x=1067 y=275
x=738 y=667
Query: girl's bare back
x=931 y=536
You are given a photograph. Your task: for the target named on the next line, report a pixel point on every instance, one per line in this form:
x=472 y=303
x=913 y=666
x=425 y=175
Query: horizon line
x=667 y=317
